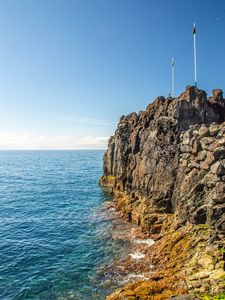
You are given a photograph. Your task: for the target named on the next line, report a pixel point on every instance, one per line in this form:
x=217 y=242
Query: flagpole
x=172 y=88
x=195 y=54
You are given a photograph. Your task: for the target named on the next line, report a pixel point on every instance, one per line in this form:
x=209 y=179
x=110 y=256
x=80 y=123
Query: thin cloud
x=32 y=141
x=86 y=121
x=83 y=120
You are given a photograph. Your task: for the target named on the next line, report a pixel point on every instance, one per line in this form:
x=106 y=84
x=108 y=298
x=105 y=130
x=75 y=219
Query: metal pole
x=195 y=55
x=172 y=89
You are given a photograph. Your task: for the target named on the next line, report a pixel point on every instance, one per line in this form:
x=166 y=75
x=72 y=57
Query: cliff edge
x=166 y=169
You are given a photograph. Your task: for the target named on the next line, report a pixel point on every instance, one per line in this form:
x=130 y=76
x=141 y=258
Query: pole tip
x=172 y=62
x=194 y=28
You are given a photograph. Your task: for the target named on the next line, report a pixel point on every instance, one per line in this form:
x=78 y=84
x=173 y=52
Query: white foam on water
x=137 y=255
x=148 y=242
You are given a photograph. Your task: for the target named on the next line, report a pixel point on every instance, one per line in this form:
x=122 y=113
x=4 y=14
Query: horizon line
x=54 y=149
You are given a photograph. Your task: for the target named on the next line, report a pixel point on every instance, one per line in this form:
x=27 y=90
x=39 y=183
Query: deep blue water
x=54 y=231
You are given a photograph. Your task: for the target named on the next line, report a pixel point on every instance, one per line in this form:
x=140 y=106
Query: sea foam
x=137 y=255
x=148 y=242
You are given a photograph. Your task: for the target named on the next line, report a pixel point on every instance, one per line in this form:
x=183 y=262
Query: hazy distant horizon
x=54 y=149
x=13 y=141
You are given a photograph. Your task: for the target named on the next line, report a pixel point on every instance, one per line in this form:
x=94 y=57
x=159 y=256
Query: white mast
x=195 y=54
x=172 y=67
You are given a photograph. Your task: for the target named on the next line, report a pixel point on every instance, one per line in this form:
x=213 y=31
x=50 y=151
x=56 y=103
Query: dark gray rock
x=172 y=157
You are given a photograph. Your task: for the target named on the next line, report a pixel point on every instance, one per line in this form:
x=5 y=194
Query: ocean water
x=54 y=228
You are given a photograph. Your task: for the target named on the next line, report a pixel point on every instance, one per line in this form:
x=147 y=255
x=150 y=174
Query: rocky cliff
x=166 y=168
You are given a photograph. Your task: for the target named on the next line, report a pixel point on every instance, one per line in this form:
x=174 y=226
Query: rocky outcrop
x=169 y=160
x=199 y=190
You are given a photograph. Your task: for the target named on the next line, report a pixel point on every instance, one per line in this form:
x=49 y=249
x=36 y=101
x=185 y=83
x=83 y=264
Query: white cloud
x=14 y=140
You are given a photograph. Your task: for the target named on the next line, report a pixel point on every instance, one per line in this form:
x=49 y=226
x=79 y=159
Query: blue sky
x=70 y=69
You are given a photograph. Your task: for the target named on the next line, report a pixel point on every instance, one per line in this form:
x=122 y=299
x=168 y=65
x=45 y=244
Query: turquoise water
x=54 y=227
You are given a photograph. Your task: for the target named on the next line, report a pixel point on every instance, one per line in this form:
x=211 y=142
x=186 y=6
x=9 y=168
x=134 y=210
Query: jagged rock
x=210 y=159
x=212 y=178
x=221 y=169
x=216 y=168
x=185 y=149
x=206 y=142
x=169 y=161
x=202 y=155
x=217 y=94
x=147 y=155
x=213 y=130
x=219 y=193
x=204 y=165
x=203 y=131
x=196 y=147
x=219 y=153
x=221 y=142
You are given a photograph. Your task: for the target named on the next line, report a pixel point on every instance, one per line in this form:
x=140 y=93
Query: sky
x=70 y=68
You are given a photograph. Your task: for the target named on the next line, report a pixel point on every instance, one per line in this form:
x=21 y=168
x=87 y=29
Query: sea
x=55 y=230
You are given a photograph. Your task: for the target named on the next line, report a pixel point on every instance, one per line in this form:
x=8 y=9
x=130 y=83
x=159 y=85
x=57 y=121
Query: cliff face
x=169 y=160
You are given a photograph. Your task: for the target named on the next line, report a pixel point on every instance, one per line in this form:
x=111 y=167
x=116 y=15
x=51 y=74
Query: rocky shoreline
x=166 y=169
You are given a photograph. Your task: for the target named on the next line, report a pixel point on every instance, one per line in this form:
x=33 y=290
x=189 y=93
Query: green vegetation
x=203 y=226
x=220 y=296
x=223 y=277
